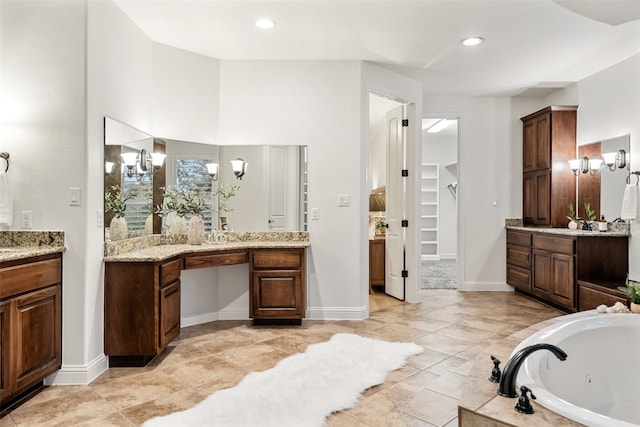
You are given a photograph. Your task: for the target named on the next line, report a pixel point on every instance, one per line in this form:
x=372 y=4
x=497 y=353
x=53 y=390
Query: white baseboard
x=237 y=314
x=486 y=286
x=79 y=374
x=336 y=313
x=198 y=319
x=449 y=256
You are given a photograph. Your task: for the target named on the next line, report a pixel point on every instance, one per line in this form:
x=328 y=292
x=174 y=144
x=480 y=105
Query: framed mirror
x=271 y=195
x=603 y=189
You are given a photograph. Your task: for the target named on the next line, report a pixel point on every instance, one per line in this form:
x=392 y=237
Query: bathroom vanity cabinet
x=377 y=270
x=142 y=298
x=30 y=325
x=548 y=184
x=572 y=272
x=276 y=289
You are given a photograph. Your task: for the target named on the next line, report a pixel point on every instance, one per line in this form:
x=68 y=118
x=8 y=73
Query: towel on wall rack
x=6 y=203
x=630 y=202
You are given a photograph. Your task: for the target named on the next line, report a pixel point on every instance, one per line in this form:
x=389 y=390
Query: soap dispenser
x=602 y=224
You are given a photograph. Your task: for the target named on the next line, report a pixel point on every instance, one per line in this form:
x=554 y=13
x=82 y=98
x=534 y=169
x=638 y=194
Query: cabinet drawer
x=591 y=298
x=519 y=277
x=558 y=245
x=170 y=271
x=33 y=275
x=520 y=238
x=214 y=260
x=519 y=255
x=277 y=259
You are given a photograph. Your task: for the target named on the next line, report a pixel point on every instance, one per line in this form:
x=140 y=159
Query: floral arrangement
x=225 y=193
x=631 y=290
x=590 y=213
x=115 y=200
x=572 y=212
x=183 y=202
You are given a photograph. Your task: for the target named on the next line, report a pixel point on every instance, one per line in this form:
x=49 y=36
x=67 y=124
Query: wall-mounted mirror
x=604 y=189
x=272 y=194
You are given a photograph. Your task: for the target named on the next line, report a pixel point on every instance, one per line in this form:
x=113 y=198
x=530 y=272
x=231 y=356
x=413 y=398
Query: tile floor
x=453 y=327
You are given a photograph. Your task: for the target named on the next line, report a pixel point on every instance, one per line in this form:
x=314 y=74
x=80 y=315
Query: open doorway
x=439 y=203
x=383 y=232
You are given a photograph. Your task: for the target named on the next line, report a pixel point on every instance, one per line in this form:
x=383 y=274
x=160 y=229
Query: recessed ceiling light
x=472 y=41
x=265 y=24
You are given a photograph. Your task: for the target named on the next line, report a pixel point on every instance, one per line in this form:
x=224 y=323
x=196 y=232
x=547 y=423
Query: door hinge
x=405 y=223
x=405 y=123
x=405 y=273
x=405 y=172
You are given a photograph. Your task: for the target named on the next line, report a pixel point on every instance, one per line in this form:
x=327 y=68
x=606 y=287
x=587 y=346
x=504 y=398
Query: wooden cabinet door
x=529 y=145
x=376 y=262
x=276 y=294
x=563 y=276
x=543 y=141
x=5 y=382
x=543 y=198
x=38 y=336
x=541 y=273
x=529 y=198
x=169 y=313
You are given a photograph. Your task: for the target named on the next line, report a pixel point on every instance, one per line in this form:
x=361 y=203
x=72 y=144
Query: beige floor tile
x=458 y=330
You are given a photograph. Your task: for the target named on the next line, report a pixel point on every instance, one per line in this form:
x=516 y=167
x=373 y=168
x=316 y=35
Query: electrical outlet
x=26 y=218
x=315 y=214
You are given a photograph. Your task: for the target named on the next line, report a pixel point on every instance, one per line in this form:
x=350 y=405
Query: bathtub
x=599 y=383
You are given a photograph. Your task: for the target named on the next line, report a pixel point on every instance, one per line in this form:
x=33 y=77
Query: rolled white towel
x=6 y=202
x=630 y=202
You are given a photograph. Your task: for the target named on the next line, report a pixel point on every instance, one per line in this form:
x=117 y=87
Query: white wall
x=185 y=95
x=609 y=106
x=43 y=127
x=314 y=103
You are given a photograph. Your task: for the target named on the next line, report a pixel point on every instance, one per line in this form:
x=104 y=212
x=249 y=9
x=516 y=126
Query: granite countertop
x=159 y=248
x=569 y=232
x=16 y=245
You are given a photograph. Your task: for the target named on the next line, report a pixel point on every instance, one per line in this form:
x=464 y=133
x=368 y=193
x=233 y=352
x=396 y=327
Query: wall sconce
x=579 y=165
x=141 y=162
x=212 y=170
x=157 y=160
x=594 y=166
x=615 y=159
x=239 y=167
x=108 y=167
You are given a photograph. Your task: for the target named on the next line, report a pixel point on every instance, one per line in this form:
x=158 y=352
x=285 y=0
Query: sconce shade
x=212 y=170
x=129 y=159
x=157 y=159
x=615 y=159
x=108 y=167
x=594 y=165
x=239 y=167
x=579 y=165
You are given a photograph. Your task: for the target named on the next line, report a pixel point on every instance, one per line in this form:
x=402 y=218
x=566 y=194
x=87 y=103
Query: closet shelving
x=429 y=211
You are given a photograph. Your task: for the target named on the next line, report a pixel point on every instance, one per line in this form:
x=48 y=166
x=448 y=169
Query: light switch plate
x=315 y=214
x=26 y=220
x=74 y=196
x=344 y=200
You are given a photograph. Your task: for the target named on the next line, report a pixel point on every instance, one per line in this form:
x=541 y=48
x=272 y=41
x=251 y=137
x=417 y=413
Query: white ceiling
x=534 y=45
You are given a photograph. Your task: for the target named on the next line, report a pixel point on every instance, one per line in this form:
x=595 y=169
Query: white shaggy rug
x=301 y=390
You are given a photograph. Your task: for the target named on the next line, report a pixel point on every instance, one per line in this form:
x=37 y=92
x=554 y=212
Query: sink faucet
x=585 y=224
x=508 y=381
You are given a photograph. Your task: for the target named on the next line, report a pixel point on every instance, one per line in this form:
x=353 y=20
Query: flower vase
x=118 y=228
x=573 y=225
x=196 y=235
x=148 y=225
x=635 y=308
x=178 y=225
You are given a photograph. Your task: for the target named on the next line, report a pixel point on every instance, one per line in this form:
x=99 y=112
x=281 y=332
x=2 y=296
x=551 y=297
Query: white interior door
x=280 y=197
x=395 y=204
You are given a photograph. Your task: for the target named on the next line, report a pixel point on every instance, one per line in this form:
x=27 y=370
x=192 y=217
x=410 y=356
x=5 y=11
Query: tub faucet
x=508 y=381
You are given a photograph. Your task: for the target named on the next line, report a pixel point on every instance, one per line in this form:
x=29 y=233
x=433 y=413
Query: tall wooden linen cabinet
x=548 y=184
